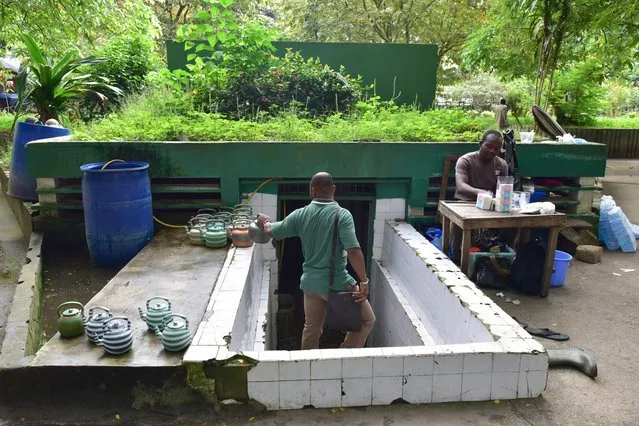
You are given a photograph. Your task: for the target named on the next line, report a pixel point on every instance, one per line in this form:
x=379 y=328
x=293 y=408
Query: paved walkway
x=13 y=249
x=597 y=307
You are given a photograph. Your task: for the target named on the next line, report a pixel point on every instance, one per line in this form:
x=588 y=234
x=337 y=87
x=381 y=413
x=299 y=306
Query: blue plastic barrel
x=561 y=264
x=21 y=185
x=118 y=213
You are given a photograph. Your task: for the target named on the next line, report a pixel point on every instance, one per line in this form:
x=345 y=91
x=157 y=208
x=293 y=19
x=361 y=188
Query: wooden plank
x=613 y=146
x=550 y=260
x=634 y=142
x=624 y=142
x=465 y=248
x=467 y=216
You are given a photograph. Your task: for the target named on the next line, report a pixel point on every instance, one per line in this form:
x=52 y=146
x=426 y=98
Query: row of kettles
x=114 y=333
x=214 y=228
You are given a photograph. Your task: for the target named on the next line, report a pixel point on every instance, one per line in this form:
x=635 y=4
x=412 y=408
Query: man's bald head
x=322 y=185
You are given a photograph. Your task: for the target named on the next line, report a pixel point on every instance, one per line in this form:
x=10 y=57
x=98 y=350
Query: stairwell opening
x=290 y=315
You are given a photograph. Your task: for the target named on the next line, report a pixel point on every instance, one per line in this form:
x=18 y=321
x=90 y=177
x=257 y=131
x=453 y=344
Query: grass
x=630 y=121
x=155 y=117
x=151 y=118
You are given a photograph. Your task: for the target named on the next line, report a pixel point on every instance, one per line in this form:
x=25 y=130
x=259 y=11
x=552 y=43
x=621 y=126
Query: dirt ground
x=597 y=308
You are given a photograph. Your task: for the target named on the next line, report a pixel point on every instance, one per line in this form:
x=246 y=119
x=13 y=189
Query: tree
x=173 y=13
x=535 y=38
x=448 y=23
x=59 y=25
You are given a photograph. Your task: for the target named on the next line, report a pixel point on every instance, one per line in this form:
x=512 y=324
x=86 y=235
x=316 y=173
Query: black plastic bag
x=488 y=276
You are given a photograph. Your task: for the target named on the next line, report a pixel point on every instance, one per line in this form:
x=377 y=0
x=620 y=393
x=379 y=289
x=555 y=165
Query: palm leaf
x=34 y=51
x=62 y=67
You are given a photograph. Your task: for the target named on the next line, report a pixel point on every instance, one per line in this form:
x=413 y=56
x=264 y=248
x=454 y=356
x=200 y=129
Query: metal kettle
x=257 y=234
x=215 y=235
x=240 y=233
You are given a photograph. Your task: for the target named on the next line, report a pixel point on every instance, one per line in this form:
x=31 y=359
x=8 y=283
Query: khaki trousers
x=315 y=314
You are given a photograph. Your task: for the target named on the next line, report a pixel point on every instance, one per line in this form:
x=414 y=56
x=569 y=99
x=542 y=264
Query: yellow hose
x=109 y=162
x=168 y=225
x=257 y=189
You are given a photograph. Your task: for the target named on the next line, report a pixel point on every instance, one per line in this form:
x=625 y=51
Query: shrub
x=291 y=81
x=127 y=61
x=621 y=97
x=481 y=90
x=577 y=96
x=519 y=96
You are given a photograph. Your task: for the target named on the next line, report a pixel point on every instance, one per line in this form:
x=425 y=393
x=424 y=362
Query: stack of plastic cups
x=605 y=231
x=620 y=226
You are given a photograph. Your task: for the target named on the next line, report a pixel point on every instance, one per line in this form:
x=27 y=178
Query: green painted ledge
x=235 y=161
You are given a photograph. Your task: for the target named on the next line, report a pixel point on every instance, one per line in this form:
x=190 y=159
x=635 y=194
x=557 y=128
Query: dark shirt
x=480 y=175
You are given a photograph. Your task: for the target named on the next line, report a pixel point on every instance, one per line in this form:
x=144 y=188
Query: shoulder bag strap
x=331 y=266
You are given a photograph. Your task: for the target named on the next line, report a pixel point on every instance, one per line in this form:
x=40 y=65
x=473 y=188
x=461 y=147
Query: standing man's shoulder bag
x=342 y=313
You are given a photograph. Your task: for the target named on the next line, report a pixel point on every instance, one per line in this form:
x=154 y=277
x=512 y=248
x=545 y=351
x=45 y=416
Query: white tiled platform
x=437 y=338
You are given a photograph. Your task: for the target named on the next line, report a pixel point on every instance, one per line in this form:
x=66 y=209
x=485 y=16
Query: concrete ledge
x=21 y=209
x=24 y=335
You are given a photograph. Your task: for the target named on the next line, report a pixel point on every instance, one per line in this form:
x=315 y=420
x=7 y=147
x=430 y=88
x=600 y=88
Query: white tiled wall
x=421 y=271
x=461 y=347
x=401 y=325
x=385 y=209
x=265 y=204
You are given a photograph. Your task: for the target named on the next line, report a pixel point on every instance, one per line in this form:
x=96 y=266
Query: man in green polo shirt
x=314 y=225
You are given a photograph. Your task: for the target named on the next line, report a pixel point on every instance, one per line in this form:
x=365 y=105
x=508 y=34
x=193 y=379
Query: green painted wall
x=238 y=162
x=412 y=68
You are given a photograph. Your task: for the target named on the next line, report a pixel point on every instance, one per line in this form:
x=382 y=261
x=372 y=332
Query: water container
x=21 y=185
x=434 y=235
x=118 y=213
x=562 y=262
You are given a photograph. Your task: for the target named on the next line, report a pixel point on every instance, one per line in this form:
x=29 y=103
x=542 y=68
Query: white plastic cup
x=527 y=137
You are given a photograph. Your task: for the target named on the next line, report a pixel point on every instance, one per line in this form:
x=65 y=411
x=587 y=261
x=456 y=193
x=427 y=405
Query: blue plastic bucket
x=434 y=235
x=562 y=262
x=21 y=185
x=118 y=211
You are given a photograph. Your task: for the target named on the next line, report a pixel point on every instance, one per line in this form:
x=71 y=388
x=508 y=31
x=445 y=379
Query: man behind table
x=475 y=173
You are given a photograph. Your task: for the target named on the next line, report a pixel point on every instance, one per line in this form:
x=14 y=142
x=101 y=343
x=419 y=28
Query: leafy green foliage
x=62 y=24
x=127 y=59
x=519 y=97
x=535 y=39
x=290 y=81
x=620 y=97
x=577 y=98
x=153 y=117
x=51 y=87
x=484 y=89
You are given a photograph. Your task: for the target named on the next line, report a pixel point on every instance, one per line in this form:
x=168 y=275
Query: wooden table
x=468 y=217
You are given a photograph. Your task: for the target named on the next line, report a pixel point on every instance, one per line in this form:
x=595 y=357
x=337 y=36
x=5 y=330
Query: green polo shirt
x=314 y=225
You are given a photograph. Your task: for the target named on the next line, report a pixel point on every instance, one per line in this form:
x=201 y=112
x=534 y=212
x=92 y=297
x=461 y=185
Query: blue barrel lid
x=119 y=166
